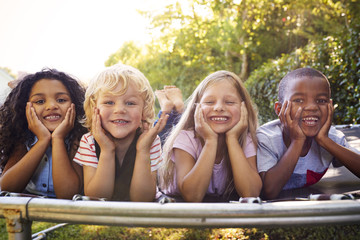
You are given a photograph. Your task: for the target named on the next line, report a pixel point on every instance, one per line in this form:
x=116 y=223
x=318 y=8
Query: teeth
x=52 y=117
x=120 y=121
x=310 y=119
x=219 y=118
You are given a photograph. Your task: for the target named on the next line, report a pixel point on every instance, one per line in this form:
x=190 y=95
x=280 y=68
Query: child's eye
x=229 y=102
x=109 y=103
x=62 y=100
x=208 y=102
x=130 y=103
x=322 y=101
x=39 y=101
x=298 y=100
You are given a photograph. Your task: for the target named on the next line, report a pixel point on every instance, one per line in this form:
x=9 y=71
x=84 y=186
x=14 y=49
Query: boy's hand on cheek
x=99 y=133
x=148 y=134
x=201 y=126
x=66 y=125
x=35 y=125
x=291 y=126
x=323 y=132
x=241 y=126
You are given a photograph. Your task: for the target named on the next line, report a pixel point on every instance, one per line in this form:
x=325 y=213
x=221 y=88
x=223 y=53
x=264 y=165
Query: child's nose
x=120 y=108
x=311 y=106
x=219 y=106
x=51 y=104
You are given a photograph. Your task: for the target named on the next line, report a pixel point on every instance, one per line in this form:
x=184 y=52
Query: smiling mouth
x=310 y=121
x=52 y=117
x=219 y=119
x=119 y=121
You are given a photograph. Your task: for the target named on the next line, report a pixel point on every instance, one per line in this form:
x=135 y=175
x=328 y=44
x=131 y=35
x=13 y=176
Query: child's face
x=51 y=100
x=221 y=106
x=312 y=94
x=121 y=115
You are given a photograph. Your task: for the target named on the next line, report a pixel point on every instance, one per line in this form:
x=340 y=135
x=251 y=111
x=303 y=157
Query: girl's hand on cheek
x=323 y=132
x=201 y=126
x=240 y=126
x=35 y=125
x=100 y=135
x=66 y=125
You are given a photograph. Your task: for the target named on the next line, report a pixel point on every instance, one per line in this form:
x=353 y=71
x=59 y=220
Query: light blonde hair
x=186 y=122
x=109 y=79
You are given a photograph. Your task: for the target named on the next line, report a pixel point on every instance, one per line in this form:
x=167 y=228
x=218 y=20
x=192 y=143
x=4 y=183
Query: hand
x=242 y=125
x=148 y=134
x=34 y=123
x=291 y=126
x=323 y=132
x=101 y=136
x=66 y=125
x=201 y=126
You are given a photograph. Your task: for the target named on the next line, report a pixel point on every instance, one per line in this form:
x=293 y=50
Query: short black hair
x=298 y=73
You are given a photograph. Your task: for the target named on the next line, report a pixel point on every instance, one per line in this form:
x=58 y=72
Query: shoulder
x=271 y=130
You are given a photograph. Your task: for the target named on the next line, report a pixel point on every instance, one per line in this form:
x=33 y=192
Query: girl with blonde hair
x=211 y=153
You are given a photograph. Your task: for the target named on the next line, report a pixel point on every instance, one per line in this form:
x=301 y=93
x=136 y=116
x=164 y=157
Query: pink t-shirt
x=186 y=141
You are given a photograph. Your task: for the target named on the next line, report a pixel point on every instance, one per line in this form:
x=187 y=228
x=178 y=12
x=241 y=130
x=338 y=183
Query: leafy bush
x=337 y=57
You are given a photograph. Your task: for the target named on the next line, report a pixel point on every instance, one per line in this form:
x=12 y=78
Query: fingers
x=161 y=122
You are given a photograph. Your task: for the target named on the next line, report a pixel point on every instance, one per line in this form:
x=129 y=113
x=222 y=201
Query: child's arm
x=193 y=177
x=66 y=178
x=275 y=178
x=247 y=181
x=143 y=182
x=348 y=158
x=100 y=181
x=22 y=165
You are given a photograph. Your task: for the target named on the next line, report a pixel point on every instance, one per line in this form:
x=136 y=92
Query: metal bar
x=190 y=214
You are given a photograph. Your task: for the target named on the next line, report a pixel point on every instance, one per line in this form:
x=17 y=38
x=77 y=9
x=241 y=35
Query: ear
x=277 y=107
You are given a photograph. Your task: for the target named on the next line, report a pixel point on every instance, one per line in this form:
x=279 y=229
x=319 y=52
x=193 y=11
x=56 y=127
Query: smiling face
x=312 y=94
x=221 y=106
x=51 y=100
x=121 y=115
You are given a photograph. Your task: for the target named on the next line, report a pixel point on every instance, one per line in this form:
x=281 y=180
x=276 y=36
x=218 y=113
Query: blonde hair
x=109 y=79
x=186 y=122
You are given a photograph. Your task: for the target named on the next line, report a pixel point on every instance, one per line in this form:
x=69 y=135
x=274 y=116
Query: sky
x=74 y=36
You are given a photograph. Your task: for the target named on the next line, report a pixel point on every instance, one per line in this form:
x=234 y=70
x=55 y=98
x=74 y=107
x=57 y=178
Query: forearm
x=247 y=180
x=275 y=178
x=101 y=184
x=195 y=183
x=16 y=177
x=348 y=158
x=143 y=182
x=67 y=182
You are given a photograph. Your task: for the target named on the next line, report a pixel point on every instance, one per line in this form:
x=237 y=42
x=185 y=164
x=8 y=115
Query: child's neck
x=122 y=145
x=221 y=148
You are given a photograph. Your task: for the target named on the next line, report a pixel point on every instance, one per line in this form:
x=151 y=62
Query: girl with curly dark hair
x=40 y=131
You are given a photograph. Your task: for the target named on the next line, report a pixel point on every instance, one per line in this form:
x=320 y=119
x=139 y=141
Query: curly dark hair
x=13 y=123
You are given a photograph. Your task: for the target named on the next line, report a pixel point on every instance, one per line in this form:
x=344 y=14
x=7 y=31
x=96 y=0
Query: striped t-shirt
x=86 y=153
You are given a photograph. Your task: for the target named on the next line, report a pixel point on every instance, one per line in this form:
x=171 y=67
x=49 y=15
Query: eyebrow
x=56 y=94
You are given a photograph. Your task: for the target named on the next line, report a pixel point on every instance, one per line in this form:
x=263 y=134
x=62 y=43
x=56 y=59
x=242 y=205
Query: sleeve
x=340 y=138
x=155 y=154
x=86 y=154
x=266 y=157
x=186 y=142
x=249 y=149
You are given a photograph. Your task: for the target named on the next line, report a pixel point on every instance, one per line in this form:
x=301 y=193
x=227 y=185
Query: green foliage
x=337 y=57
x=260 y=40
x=114 y=232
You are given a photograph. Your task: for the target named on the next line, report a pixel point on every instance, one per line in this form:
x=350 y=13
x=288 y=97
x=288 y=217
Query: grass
x=73 y=231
